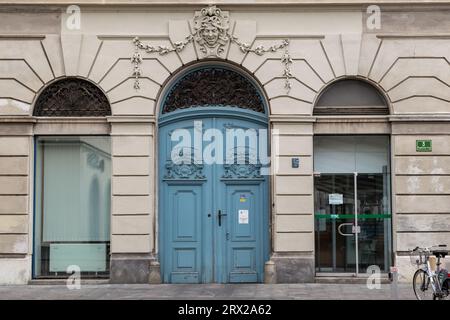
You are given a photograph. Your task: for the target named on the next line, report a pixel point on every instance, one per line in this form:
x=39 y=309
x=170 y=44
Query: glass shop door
x=352 y=210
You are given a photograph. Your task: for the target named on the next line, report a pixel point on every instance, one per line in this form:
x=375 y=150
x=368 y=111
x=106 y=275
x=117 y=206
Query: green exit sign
x=423 y=146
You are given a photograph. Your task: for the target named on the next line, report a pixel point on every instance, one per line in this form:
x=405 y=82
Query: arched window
x=72 y=97
x=351 y=97
x=213 y=86
x=72 y=214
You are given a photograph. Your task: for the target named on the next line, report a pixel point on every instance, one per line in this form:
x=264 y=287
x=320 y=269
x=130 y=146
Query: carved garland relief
x=211 y=33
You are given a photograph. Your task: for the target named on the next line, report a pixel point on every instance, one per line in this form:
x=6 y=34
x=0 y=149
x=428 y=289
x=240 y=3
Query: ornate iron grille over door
x=213 y=86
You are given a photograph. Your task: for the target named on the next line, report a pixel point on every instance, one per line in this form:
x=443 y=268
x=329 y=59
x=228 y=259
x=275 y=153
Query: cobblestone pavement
x=313 y=291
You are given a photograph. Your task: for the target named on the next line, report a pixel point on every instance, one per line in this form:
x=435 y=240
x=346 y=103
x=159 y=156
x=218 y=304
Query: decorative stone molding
x=211 y=33
x=211 y=27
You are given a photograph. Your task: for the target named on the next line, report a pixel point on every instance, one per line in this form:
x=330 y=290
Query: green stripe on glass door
x=352 y=216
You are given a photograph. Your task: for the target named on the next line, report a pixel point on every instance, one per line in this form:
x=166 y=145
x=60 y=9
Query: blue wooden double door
x=213 y=214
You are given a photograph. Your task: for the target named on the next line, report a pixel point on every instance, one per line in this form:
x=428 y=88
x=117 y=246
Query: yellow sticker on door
x=242 y=198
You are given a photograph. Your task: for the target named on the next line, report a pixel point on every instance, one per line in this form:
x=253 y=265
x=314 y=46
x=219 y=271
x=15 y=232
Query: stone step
x=44 y=282
x=347 y=280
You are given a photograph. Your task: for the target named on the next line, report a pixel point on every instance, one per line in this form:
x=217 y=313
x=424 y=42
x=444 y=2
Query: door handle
x=219 y=215
x=345 y=234
x=355 y=229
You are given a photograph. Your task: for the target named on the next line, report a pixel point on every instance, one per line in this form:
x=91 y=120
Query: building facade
x=239 y=142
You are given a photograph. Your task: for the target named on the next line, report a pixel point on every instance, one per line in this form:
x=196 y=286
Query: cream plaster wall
x=408 y=59
x=15 y=201
x=422 y=189
x=412 y=68
x=132 y=186
x=293 y=219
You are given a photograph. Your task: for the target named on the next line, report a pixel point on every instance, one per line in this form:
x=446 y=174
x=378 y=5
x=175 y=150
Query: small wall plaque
x=424 y=146
x=295 y=162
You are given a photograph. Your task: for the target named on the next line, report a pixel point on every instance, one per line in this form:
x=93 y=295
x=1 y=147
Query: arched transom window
x=72 y=97
x=351 y=97
x=213 y=86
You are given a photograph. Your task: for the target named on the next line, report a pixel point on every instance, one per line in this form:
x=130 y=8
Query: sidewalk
x=312 y=291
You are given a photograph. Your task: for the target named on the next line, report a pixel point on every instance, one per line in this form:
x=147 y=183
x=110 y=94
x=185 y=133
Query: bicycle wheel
x=445 y=291
x=422 y=286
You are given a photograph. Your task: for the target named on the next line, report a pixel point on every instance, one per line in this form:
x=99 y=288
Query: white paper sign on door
x=335 y=198
x=243 y=216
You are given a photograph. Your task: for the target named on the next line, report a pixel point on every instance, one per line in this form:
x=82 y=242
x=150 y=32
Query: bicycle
x=427 y=283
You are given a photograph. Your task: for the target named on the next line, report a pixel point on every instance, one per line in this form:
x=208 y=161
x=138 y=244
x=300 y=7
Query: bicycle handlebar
x=429 y=248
